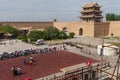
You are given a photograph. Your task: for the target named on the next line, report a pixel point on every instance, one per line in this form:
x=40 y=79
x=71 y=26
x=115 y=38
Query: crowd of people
x=16 y=53
x=30 y=61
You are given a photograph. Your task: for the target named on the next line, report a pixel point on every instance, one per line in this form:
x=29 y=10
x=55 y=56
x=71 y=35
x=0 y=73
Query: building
x=91 y=25
x=91 y=12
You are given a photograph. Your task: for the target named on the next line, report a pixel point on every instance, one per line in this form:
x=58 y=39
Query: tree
x=24 y=37
x=9 y=29
x=108 y=16
x=71 y=35
x=62 y=35
x=112 y=17
x=50 y=33
x=35 y=35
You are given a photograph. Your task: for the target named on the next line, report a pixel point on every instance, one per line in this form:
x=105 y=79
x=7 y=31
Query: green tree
x=62 y=35
x=50 y=33
x=71 y=35
x=9 y=29
x=23 y=37
x=112 y=17
x=108 y=16
x=35 y=35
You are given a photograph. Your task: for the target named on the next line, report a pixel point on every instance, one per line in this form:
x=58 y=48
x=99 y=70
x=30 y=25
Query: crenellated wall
x=91 y=28
x=29 y=25
x=88 y=27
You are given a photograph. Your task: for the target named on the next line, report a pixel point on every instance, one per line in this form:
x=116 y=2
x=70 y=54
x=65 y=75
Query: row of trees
x=47 y=34
x=112 y=17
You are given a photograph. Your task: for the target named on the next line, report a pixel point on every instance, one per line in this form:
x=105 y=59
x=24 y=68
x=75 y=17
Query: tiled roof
x=90 y=11
x=90 y=16
x=91 y=5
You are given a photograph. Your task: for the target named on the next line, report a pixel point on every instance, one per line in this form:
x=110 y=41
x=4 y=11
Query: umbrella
x=28 y=78
x=8 y=34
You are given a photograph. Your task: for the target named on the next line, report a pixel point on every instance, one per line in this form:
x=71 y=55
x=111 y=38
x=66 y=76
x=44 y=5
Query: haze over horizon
x=47 y=10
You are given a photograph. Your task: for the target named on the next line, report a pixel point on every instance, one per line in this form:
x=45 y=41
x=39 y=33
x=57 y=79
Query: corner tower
x=91 y=12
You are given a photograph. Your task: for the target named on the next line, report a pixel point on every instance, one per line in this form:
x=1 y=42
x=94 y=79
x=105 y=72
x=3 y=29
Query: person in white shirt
x=19 y=70
x=31 y=58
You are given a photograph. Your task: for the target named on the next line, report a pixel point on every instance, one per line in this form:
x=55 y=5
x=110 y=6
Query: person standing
x=24 y=61
x=31 y=62
x=31 y=58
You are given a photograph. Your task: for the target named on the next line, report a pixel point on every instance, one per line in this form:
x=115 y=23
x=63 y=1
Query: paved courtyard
x=45 y=64
x=18 y=45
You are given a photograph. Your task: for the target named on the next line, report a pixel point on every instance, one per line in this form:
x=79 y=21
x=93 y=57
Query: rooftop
x=91 y=5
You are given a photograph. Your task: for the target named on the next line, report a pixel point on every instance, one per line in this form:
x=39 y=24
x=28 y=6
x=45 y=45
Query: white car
x=39 y=42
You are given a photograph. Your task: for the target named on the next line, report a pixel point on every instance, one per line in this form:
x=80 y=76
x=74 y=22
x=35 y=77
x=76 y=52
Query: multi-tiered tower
x=91 y=12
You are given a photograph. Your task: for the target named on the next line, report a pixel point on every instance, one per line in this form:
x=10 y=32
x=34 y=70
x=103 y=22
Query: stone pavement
x=12 y=45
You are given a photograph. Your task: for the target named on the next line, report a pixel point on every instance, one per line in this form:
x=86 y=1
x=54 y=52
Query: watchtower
x=91 y=12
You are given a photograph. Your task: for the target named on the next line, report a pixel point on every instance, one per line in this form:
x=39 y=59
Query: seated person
x=19 y=71
x=14 y=71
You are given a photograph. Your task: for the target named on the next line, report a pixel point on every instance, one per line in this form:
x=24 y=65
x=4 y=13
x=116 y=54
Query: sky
x=47 y=10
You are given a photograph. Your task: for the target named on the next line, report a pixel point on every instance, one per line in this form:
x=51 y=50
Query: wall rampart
x=88 y=27
x=33 y=25
x=114 y=28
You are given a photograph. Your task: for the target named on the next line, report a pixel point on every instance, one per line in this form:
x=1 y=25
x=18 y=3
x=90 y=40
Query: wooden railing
x=84 y=73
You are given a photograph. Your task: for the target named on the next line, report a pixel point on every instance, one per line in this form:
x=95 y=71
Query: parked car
x=39 y=42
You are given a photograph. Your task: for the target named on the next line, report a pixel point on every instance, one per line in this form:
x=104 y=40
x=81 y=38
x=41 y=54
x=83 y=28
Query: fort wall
x=101 y=28
x=114 y=28
x=88 y=27
x=29 y=25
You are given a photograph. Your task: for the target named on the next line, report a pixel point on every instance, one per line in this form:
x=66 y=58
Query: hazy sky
x=47 y=10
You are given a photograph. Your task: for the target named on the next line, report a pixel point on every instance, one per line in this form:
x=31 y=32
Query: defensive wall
x=86 y=27
x=111 y=28
x=114 y=28
x=101 y=28
x=28 y=25
x=92 y=29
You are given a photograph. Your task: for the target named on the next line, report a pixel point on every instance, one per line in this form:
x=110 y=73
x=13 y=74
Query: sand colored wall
x=114 y=28
x=101 y=28
x=88 y=27
x=33 y=25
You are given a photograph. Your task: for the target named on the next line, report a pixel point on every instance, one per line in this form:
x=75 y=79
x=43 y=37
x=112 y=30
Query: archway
x=81 y=31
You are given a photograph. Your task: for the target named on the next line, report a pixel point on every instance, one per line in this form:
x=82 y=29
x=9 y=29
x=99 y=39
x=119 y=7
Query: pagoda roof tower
x=91 y=12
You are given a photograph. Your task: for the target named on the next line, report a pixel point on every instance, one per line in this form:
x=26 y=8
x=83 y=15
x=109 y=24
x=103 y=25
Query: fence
x=84 y=73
